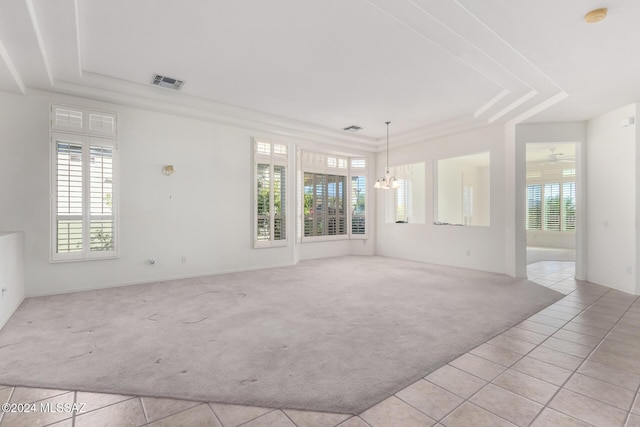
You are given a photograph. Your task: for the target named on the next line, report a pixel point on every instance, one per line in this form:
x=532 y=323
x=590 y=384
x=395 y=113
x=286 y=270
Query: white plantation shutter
x=264 y=202
x=270 y=194
x=552 y=207
x=101 y=198
x=534 y=207
x=102 y=123
x=358 y=174
x=279 y=202
x=83 y=194
x=67 y=118
x=325 y=205
x=333 y=196
x=551 y=198
x=568 y=206
x=358 y=206
x=69 y=197
x=82 y=120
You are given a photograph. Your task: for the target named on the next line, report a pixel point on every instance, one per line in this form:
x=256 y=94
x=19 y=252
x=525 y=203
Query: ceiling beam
x=38 y=34
x=76 y=11
x=11 y=69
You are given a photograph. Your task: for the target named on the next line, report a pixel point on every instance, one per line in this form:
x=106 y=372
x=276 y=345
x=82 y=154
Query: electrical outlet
x=2 y=292
x=629 y=269
x=468 y=252
x=184 y=259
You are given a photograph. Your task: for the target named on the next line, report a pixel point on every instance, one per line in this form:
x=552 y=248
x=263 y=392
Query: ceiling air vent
x=353 y=128
x=167 y=82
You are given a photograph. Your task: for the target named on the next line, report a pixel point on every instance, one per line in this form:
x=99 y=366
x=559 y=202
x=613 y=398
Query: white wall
x=202 y=212
x=441 y=244
x=11 y=274
x=551 y=239
x=612 y=201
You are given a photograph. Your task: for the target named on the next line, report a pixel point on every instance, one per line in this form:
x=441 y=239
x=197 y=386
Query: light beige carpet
x=337 y=334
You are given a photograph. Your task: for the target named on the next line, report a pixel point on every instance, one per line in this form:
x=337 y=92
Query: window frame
x=334 y=165
x=86 y=142
x=542 y=178
x=273 y=159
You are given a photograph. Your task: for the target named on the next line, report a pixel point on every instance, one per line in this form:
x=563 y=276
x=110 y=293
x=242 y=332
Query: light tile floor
x=575 y=363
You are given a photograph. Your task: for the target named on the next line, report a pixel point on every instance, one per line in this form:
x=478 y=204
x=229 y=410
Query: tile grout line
x=214 y=413
x=522 y=356
x=144 y=410
x=637 y=396
x=73 y=415
x=468 y=400
x=491 y=381
x=8 y=400
x=288 y=417
x=546 y=405
x=465 y=400
x=253 y=419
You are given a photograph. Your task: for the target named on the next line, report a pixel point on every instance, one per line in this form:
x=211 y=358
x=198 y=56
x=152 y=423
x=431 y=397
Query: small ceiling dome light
x=596 y=15
x=387 y=181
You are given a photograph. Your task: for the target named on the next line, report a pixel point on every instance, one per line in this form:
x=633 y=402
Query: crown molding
x=105 y=89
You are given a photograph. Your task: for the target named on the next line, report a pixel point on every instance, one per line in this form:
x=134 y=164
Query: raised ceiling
x=311 y=68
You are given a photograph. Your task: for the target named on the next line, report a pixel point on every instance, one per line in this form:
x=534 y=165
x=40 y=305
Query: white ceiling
x=541 y=151
x=302 y=67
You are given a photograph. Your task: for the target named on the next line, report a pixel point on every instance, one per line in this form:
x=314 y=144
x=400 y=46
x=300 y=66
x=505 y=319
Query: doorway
x=551 y=205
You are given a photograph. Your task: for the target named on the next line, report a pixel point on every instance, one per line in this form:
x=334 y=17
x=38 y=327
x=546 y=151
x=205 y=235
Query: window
x=551 y=197
x=270 y=194
x=534 y=207
x=84 y=198
x=330 y=184
x=324 y=205
x=551 y=206
x=569 y=206
x=358 y=196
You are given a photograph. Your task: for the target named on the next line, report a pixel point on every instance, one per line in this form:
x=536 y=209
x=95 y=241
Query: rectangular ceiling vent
x=168 y=82
x=353 y=128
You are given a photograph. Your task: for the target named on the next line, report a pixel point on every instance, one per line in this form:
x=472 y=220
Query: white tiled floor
x=575 y=363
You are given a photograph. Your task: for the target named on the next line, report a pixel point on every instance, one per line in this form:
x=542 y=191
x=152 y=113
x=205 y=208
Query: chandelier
x=387 y=181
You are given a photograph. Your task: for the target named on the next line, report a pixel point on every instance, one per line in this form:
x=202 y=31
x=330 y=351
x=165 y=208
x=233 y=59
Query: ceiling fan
x=554 y=158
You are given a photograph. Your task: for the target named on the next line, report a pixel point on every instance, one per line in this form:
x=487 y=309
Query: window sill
x=331 y=238
x=267 y=245
x=54 y=260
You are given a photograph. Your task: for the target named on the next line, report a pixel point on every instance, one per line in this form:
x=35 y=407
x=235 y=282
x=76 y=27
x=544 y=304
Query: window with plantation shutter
x=270 y=224
x=334 y=195
x=324 y=207
x=568 y=206
x=552 y=207
x=69 y=195
x=83 y=193
x=358 y=206
x=534 y=207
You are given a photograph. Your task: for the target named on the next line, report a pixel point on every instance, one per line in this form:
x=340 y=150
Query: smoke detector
x=168 y=82
x=353 y=128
